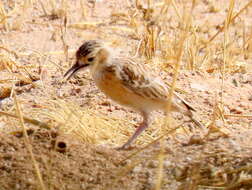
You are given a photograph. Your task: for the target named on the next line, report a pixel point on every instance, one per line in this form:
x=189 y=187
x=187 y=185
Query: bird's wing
x=140 y=79
x=185 y=103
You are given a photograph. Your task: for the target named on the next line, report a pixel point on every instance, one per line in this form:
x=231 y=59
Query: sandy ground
x=218 y=156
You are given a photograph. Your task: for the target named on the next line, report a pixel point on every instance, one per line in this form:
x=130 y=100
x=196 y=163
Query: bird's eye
x=90 y=59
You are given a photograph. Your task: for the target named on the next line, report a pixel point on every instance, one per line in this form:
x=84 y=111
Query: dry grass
x=28 y=144
x=86 y=122
x=165 y=34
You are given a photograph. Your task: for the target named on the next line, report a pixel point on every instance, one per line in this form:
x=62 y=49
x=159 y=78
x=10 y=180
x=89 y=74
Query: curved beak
x=76 y=67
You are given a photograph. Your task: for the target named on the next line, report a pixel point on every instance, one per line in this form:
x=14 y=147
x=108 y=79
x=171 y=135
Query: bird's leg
x=138 y=131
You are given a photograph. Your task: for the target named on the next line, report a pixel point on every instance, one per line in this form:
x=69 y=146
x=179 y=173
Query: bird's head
x=91 y=53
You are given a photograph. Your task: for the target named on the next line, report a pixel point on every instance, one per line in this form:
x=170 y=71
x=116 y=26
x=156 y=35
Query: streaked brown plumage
x=128 y=83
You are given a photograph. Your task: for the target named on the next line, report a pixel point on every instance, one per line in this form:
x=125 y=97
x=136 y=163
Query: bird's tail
x=187 y=109
x=190 y=114
x=196 y=122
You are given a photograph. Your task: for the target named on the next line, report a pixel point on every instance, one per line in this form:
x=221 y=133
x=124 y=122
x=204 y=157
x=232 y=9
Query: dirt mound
x=64 y=162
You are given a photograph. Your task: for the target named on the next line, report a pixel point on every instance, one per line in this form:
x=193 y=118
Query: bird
x=129 y=83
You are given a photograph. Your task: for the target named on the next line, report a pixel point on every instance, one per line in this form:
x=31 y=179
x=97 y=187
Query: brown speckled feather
x=140 y=79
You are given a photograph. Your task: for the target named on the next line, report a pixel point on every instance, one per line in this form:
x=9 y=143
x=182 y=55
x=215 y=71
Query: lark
x=128 y=83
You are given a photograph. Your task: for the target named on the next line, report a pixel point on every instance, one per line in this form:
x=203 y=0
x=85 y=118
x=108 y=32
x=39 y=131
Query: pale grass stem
x=28 y=144
x=225 y=49
x=19 y=21
x=3 y=15
x=43 y=7
x=239 y=116
x=176 y=9
x=63 y=30
x=27 y=120
x=216 y=114
x=83 y=10
x=223 y=27
x=187 y=20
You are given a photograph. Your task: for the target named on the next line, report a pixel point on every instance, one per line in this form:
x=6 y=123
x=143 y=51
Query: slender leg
x=138 y=131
